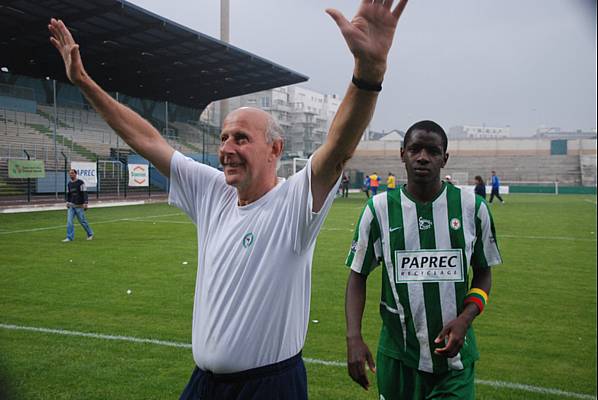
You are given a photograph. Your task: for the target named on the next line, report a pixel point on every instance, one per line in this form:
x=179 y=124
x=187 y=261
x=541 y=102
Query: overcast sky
x=523 y=63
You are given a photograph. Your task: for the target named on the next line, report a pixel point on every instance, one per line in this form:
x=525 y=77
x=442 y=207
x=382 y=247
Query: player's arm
x=135 y=131
x=454 y=332
x=369 y=37
x=358 y=353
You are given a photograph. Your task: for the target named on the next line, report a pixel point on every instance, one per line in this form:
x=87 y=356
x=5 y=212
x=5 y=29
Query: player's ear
x=446 y=157
x=402 y=154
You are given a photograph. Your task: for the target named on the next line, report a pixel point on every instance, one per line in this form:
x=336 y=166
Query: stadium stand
x=194 y=135
x=516 y=160
x=53 y=121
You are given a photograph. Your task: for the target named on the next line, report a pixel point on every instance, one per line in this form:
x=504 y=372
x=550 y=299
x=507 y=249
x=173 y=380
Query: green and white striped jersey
x=425 y=251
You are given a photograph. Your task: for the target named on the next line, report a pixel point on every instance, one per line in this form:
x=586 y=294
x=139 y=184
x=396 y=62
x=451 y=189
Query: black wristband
x=363 y=85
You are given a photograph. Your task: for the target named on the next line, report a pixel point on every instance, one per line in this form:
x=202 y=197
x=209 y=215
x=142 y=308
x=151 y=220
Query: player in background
x=345 y=181
x=391 y=182
x=495 y=191
x=425 y=235
x=366 y=186
x=374 y=183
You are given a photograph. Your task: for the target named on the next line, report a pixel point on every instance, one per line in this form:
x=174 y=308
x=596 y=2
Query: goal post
x=290 y=166
x=299 y=164
x=532 y=187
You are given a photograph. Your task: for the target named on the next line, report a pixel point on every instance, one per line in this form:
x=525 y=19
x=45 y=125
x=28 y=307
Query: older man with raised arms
x=256 y=233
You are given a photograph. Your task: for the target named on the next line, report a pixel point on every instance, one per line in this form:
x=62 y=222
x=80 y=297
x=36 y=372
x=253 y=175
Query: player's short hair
x=427 y=126
x=73 y=170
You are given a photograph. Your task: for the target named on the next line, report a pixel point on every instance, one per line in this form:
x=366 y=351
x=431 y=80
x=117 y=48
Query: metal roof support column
x=117 y=138
x=166 y=116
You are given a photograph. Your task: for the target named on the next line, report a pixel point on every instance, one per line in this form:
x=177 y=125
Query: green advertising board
x=26 y=169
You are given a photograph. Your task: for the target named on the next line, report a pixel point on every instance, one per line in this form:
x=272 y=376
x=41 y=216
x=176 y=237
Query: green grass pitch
x=537 y=337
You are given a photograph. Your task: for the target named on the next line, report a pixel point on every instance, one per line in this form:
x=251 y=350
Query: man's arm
x=135 y=131
x=456 y=329
x=358 y=352
x=85 y=197
x=369 y=36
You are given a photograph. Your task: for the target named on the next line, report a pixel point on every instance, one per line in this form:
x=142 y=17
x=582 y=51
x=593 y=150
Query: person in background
x=495 y=192
x=480 y=187
x=391 y=182
x=345 y=185
x=366 y=186
x=76 y=205
x=374 y=183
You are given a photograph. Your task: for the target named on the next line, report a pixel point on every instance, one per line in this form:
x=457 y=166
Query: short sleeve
x=305 y=223
x=190 y=181
x=485 y=252
x=366 y=252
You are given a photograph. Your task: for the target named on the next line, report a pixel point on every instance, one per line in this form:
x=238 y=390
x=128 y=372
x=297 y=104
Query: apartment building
x=304 y=115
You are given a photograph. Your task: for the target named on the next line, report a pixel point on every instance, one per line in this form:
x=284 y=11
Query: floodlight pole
x=225 y=37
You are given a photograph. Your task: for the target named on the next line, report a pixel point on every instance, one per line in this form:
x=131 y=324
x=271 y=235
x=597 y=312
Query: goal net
x=460 y=178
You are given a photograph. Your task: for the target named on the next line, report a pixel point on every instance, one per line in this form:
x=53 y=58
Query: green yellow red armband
x=478 y=297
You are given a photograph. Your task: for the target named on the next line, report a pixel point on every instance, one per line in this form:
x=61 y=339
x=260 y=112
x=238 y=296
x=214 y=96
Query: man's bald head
x=270 y=127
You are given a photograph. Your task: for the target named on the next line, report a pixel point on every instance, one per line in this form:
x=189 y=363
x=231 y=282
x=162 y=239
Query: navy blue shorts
x=283 y=380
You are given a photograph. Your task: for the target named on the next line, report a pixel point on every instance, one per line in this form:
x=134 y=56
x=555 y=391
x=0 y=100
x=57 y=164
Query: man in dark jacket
x=480 y=187
x=76 y=204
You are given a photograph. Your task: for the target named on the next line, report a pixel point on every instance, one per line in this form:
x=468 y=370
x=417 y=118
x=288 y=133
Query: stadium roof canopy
x=133 y=51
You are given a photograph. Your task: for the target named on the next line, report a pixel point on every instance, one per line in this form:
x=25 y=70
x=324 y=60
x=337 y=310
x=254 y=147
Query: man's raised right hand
x=69 y=50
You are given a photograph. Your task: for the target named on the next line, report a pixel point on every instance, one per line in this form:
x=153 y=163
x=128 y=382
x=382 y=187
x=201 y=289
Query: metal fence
x=112 y=182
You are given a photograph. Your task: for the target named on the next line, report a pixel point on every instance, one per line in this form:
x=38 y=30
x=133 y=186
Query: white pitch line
x=165 y=221
x=496 y=384
x=95 y=335
x=569 y=238
x=534 y=389
x=92 y=223
x=36 y=229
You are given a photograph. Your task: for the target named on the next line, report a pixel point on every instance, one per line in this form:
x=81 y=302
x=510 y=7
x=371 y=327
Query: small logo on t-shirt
x=424 y=224
x=455 y=224
x=248 y=239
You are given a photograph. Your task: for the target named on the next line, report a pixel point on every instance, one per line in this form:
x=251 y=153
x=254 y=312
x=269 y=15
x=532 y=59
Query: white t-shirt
x=253 y=282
